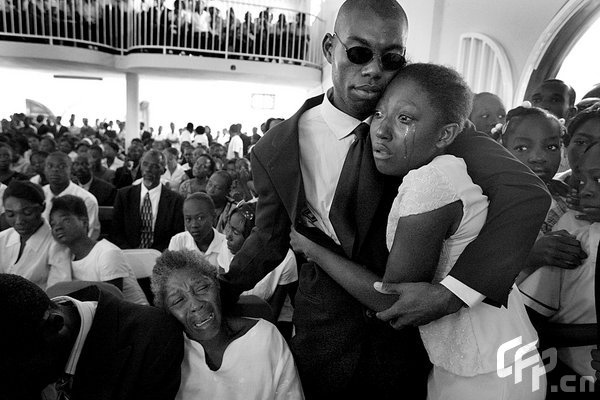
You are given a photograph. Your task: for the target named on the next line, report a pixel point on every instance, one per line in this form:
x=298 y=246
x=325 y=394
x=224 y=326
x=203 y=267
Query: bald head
x=388 y=10
x=368 y=36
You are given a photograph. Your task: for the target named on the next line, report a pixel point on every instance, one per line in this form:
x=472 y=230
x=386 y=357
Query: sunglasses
x=361 y=55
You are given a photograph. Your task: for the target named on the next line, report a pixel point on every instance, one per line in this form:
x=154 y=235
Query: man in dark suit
x=58 y=129
x=104 y=192
x=90 y=345
x=342 y=350
x=147 y=215
x=130 y=172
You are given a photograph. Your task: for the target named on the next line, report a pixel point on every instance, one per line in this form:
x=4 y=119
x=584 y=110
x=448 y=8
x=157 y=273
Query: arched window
x=485 y=66
x=555 y=43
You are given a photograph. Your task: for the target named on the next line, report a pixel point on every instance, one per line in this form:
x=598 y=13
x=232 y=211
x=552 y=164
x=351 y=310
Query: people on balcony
x=179 y=26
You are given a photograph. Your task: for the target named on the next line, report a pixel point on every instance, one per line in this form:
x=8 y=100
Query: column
x=132 y=126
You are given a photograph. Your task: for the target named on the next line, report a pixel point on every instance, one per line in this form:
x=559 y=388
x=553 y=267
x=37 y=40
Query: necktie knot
x=361 y=131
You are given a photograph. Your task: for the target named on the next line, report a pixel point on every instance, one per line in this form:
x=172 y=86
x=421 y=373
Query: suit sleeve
x=268 y=243
x=163 y=377
x=117 y=235
x=519 y=201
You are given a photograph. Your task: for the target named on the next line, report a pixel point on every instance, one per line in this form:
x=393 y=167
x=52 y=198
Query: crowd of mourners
x=192 y=25
x=392 y=239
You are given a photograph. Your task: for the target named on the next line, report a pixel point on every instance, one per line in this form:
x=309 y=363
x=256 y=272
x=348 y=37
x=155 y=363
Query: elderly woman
x=226 y=357
x=27 y=248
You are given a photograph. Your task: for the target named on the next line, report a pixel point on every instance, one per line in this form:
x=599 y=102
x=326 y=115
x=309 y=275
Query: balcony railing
x=225 y=29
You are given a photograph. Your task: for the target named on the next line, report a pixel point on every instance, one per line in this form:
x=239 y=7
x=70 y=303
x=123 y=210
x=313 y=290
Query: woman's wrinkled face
x=404 y=129
x=194 y=301
x=23 y=215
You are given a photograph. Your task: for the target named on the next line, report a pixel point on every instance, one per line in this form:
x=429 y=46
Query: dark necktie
x=146 y=215
x=344 y=206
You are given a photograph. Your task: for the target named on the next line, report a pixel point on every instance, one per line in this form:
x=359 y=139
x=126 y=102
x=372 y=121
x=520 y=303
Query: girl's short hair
x=448 y=92
x=515 y=116
x=589 y=113
x=70 y=204
x=25 y=190
x=202 y=197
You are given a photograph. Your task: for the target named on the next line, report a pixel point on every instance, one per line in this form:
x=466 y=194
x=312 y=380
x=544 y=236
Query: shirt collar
x=157 y=190
x=66 y=191
x=87 y=185
x=86 y=310
x=38 y=238
x=340 y=123
x=215 y=244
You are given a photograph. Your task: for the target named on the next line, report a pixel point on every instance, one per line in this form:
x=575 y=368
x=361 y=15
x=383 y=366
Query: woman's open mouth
x=200 y=324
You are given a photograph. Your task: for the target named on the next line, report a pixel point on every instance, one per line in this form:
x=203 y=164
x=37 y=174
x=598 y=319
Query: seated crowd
x=257 y=296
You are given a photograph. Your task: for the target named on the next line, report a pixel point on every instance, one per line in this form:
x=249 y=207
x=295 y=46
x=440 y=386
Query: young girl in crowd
x=90 y=260
x=438 y=211
x=583 y=130
x=275 y=288
x=534 y=136
x=562 y=301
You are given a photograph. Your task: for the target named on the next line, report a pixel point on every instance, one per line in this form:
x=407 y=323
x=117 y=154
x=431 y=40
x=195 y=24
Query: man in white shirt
x=186 y=134
x=111 y=161
x=341 y=348
x=235 y=149
x=174 y=173
x=58 y=173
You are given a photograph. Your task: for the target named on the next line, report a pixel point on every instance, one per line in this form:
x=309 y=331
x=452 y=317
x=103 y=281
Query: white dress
x=256 y=366
x=106 y=262
x=463 y=346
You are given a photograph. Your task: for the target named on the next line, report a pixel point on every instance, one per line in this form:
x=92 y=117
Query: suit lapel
x=163 y=207
x=134 y=200
x=284 y=164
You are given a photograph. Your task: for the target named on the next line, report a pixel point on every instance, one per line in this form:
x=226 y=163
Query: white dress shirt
x=323 y=127
x=174 y=179
x=91 y=204
x=117 y=163
x=41 y=262
x=236 y=145
x=154 y=199
x=326 y=127
x=185 y=241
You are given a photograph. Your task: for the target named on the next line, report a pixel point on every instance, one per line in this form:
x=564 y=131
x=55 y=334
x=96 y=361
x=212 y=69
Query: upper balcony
x=197 y=37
